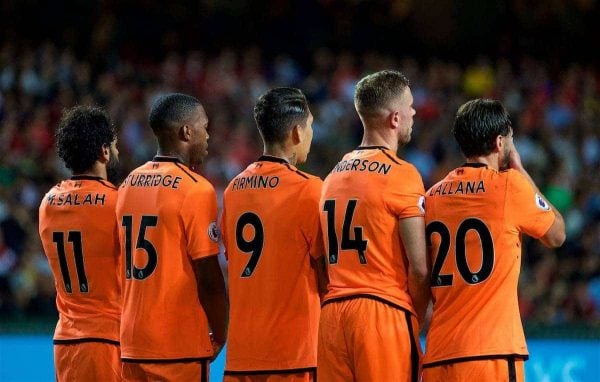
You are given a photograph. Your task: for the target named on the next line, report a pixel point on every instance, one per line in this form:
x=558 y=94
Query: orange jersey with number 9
x=270 y=228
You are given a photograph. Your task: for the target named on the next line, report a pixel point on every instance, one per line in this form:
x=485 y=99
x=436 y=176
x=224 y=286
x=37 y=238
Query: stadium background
x=539 y=59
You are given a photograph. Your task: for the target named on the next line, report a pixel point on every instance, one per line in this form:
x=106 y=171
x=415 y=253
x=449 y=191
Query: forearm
x=418 y=287
x=214 y=302
x=322 y=277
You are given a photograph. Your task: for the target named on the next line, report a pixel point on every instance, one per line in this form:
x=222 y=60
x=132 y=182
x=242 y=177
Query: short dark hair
x=376 y=90
x=277 y=111
x=169 y=110
x=82 y=133
x=477 y=124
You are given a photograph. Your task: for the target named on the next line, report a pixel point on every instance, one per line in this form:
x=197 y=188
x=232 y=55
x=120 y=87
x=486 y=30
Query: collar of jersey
x=85 y=177
x=269 y=158
x=473 y=164
x=372 y=148
x=159 y=158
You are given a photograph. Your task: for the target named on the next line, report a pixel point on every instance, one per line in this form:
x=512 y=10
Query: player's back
x=160 y=218
x=474 y=219
x=363 y=197
x=79 y=234
x=270 y=228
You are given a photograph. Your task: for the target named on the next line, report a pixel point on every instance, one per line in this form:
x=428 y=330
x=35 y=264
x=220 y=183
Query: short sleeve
x=199 y=218
x=526 y=209
x=405 y=196
x=222 y=228
x=311 y=227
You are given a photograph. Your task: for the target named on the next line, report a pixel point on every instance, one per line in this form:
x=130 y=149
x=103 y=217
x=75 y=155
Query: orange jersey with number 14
x=475 y=217
x=363 y=198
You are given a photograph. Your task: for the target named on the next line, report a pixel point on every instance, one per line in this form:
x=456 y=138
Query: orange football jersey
x=270 y=228
x=167 y=218
x=363 y=197
x=79 y=234
x=475 y=217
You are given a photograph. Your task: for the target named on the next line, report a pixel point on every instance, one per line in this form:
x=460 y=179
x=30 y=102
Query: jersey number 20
x=487 y=250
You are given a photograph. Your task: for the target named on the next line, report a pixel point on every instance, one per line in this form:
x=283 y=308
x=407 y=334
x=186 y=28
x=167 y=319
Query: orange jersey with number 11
x=79 y=234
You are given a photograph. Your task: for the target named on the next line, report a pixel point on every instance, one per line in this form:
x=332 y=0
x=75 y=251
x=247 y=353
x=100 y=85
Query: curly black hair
x=477 y=124
x=82 y=133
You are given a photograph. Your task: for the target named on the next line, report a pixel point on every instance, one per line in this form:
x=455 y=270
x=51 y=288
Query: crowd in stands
x=555 y=115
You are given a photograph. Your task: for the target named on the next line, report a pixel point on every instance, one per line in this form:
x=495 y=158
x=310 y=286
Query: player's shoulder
x=514 y=180
x=406 y=172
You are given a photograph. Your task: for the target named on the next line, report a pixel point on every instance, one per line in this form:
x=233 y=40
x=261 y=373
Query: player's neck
x=280 y=152
x=489 y=160
x=375 y=139
x=97 y=170
x=161 y=152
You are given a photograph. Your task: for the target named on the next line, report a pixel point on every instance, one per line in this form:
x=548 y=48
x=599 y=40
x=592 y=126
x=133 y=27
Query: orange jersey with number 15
x=167 y=218
x=475 y=217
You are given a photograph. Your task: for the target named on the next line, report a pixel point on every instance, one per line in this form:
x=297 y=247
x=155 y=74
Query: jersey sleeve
x=527 y=210
x=311 y=227
x=222 y=232
x=405 y=196
x=199 y=218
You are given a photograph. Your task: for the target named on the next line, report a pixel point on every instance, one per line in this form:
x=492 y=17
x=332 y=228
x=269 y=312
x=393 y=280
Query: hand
x=217 y=347
x=514 y=160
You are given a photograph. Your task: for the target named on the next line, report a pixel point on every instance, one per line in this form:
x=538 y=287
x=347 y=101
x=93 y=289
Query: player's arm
x=213 y=297
x=320 y=268
x=555 y=236
x=412 y=232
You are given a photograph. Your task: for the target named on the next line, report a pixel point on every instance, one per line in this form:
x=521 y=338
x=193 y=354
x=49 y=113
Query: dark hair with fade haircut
x=82 y=133
x=277 y=111
x=376 y=90
x=169 y=110
x=477 y=124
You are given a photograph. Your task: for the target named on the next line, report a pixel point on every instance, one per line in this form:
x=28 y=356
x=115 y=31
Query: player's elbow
x=419 y=273
x=554 y=240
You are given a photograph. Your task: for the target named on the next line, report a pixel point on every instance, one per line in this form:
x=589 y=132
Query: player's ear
x=104 y=154
x=296 y=134
x=185 y=133
x=394 y=118
x=499 y=143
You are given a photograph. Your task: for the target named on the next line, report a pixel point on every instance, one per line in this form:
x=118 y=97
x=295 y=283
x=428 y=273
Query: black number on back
x=487 y=250
x=358 y=243
x=254 y=246
x=74 y=237
x=142 y=243
x=442 y=230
